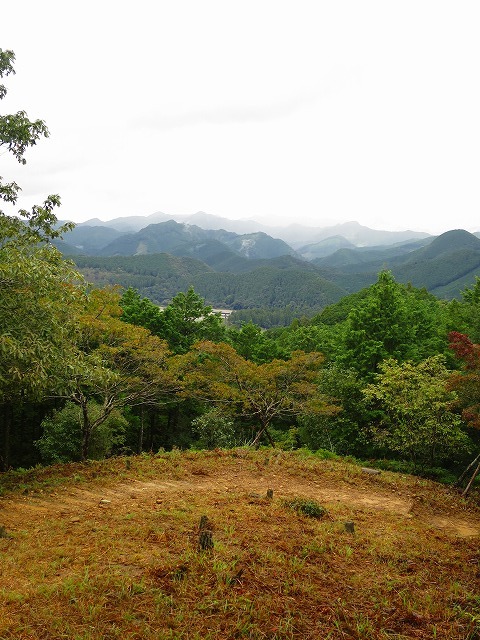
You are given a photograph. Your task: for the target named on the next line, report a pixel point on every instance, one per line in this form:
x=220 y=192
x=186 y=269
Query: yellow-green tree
x=264 y=392
x=417 y=420
x=118 y=365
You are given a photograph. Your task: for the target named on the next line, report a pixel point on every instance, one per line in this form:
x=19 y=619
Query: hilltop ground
x=109 y=550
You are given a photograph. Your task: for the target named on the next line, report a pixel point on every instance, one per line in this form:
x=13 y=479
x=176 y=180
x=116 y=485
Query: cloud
x=242 y=114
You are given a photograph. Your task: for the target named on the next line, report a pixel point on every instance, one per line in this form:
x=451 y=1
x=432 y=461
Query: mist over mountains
x=295 y=235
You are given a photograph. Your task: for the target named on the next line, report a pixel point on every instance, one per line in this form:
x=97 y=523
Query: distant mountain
x=368 y=258
x=296 y=235
x=190 y=240
x=362 y=236
x=90 y=239
x=444 y=266
x=132 y=224
x=128 y=224
x=324 y=248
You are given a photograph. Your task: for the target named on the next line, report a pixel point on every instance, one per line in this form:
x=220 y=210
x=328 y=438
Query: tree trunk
x=140 y=432
x=86 y=431
x=152 y=420
x=256 y=440
x=263 y=430
x=470 y=466
x=7 y=432
x=474 y=475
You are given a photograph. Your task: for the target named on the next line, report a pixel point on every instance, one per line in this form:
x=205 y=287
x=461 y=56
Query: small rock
x=104 y=501
x=372 y=472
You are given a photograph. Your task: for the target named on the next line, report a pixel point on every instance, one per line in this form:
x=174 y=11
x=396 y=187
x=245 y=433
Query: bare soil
x=77 y=501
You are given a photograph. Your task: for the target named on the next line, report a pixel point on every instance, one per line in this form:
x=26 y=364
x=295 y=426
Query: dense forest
x=390 y=372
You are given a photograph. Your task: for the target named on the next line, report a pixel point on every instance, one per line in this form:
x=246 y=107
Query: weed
x=306 y=507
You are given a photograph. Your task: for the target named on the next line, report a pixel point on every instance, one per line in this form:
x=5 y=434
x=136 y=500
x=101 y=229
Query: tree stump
x=269 y=494
x=350 y=527
x=205 y=535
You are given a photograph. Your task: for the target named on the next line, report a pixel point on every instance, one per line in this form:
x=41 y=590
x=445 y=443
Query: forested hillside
x=226 y=279
x=444 y=266
x=257 y=283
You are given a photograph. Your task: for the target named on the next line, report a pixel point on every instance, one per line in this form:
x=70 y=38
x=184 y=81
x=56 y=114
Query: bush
x=214 y=430
x=306 y=507
x=62 y=435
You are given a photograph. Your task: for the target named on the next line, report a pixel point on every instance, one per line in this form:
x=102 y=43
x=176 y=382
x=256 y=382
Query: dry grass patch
x=114 y=553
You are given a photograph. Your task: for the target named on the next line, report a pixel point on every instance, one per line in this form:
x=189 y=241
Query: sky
x=312 y=112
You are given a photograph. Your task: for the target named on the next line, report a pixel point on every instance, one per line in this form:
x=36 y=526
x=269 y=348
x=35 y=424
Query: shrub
x=214 y=430
x=62 y=435
x=306 y=507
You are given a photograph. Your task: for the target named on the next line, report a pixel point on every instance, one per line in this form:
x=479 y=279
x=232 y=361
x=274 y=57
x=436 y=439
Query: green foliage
x=214 y=429
x=62 y=434
x=337 y=313
x=287 y=439
x=416 y=419
x=253 y=344
x=312 y=337
x=38 y=289
x=186 y=320
x=464 y=316
x=39 y=306
x=342 y=432
x=17 y=132
x=392 y=322
x=306 y=507
x=40 y=293
x=139 y=311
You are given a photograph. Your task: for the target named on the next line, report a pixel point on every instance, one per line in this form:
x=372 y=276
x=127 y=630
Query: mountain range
x=296 y=235
x=254 y=269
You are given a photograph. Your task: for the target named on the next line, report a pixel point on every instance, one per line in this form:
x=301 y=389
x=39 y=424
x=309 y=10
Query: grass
x=78 y=568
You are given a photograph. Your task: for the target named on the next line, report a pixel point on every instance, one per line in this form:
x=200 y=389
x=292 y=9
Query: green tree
x=214 y=429
x=252 y=343
x=417 y=418
x=17 y=134
x=188 y=319
x=464 y=315
x=342 y=432
x=40 y=293
x=63 y=434
x=392 y=321
x=313 y=337
x=140 y=311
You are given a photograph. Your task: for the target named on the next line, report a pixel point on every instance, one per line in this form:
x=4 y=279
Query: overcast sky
x=283 y=111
